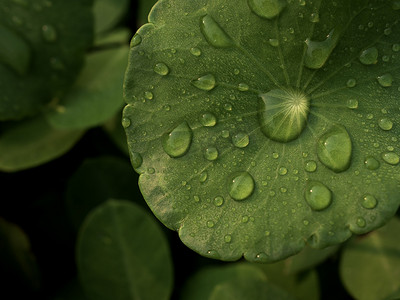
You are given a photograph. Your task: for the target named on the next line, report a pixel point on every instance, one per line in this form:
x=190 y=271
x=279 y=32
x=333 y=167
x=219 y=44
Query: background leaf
x=107 y=13
x=133 y=266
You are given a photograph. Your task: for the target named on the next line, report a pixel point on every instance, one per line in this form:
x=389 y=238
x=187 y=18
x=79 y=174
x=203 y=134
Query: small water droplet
x=148 y=95
x=177 y=142
x=214 y=34
x=225 y=133
x=391 y=158
x=227 y=238
x=203 y=177
x=369 y=56
x=282 y=171
x=318 y=52
x=126 y=122
x=352 y=103
x=218 y=201
x=195 y=51
x=136 y=160
x=396 y=47
x=161 y=69
x=387 y=31
x=371 y=163
x=205 y=83
x=261 y=257
x=49 y=33
x=283 y=114
x=267 y=8
x=311 y=166
x=369 y=201
x=241 y=186
x=275 y=155
x=228 y=107
x=361 y=222
x=314 y=18
x=136 y=40
x=240 y=140
x=385 y=80
x=151 y=170
x=274 y=42
x=210 y=224
x=334 y=149
x=385 y=124
x=211 y=153
x=208 y=120
x=243 y=87
x=351 y=83
x=318 y=196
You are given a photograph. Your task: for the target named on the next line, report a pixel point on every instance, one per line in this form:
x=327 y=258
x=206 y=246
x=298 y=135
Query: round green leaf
x=291 y=137
x=33 y=142
x=370 y=265
x=123 y=254
x=42 y=50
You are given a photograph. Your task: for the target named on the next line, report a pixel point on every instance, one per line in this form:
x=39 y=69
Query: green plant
x=259 y=128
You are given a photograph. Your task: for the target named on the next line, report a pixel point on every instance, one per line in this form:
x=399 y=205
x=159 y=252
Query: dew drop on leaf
x=161 y=69
x=49 y=33
x=361 y=222
x=283 y=114
x=371 y=163
x=261 y=257
x=282 y=171
x=352 y=103
x=391 y=158
x=195 y=51
x=385 y=124
x=208 y=120
x=210 y=224
x=136 y=160
x=126 y=122
x=385 y=80
x=203 y=177
x=241 y=186
x=314 y=18
x=214 y=34
x=205 y=83
x=240 y=140
x=243 y=87
x=218 y=201
x=274 y=42
x=227 y=238
x=211 y=153
x=369 y=201
x=267 y=8
x=396 y=47
x=136 y=40
x=177 y=142
x=148 y=95
x=334 y=149
x=351 y=83
x=318 y=196
x=369 y=56
x=311 y=166
x=318 y=52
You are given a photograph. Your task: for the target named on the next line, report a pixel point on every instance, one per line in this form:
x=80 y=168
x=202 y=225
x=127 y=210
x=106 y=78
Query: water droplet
x=148 y=95
x=177 y=142
x=274 y=42
x=218 y=201
x=241 y=186
x=282 y=171
x=151 y=170
x=385 y=80
x=318 y=52
x=261 y=257
x=314 y=18
x=318 y=196
x=136 y=40
x=228 y=107
x=240 y=140
x=351 y=83
x=205 y=83
x=267 y=8
x=385 y=124
x=208 y=120
x=283 y=114
x=211 y=153
x=210 y=224
x=126 y=122
x=161 y=69
x=311 y=166
x=371 y=163
x=203 y=177
x=214 y=34
x=387 y=31
x=196 y=198
x=361 y=222
x=227 y=238
x=334 y=149
x=243 y=87
x=275 y=155
x=195 y=51
x=369 y=201
x=352 y=104
x=225 y=133
x=49 y=33
x=136 y=160
x=391 y=158
x=396 y=47
x=369 y=56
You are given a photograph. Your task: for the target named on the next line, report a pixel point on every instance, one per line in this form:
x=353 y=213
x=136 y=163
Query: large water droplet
x=195 y=51
x=161 y=69
x=205 y=83
x=318 y=52
x=240 y=140
x=385 y=124
x=371 y=163
x=208 y=120
x=311 y=166
x=177 y=142
x=49 y=33
x=318 y=196
x=283 y=114
x=241 y=186
x=352 y=103
x=369 y=201
x=136 y=160
x=218 y=201
x=211 y=153
x=369 y=56
x=214 y=34
x=267 y=8
x=334 y=149
x=14 y=51
x=136 y=40
x=385 y=80
x=391 y=158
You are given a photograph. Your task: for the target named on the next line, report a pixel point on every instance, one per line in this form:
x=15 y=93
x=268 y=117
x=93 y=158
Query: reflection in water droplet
x=352 y=104
x=391 y=158
x=178 y=141
x=161 y=69
x=208 y=120
x=205 y=83
x=241 y=186
x=369 y=201
x=267 y=8
x=49 y=33
x=369 y=56
x=240 y=140
x=334 y=149
x=318 y=52
x=211 y=153
x=385 y=80
x=218 y=201
x=283 y=114
x=318 y=196
x=371 y=163
x=136 y=160
x=311 y=166
x=136 y=40
x=214 y=34
x=385 y=124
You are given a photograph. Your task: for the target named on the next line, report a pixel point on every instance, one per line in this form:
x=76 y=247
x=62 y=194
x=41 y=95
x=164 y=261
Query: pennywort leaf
x=258 y=127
